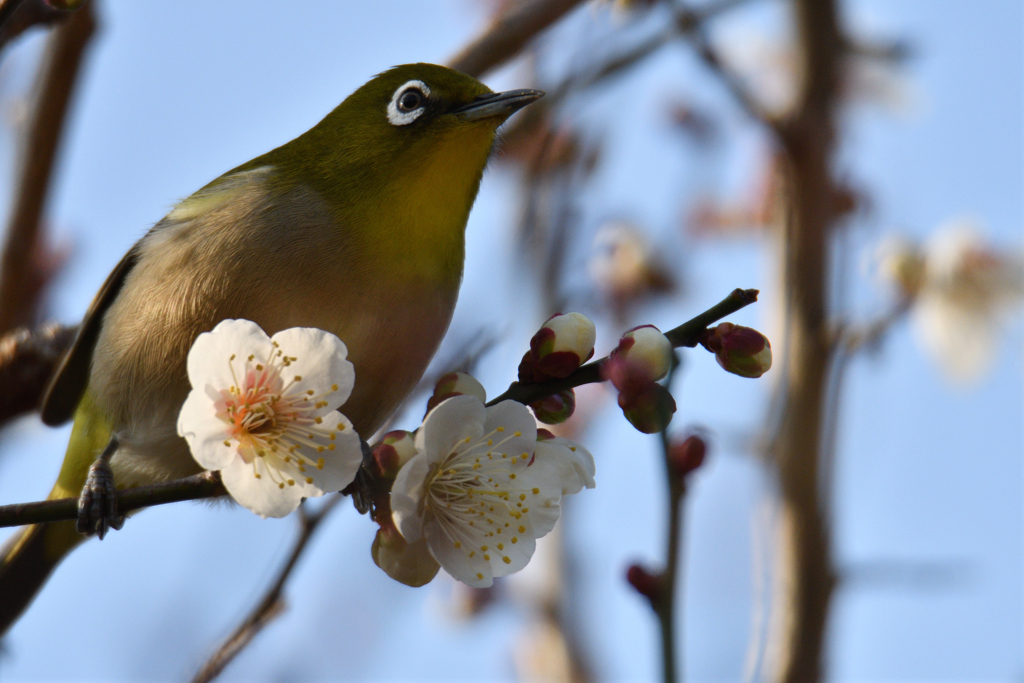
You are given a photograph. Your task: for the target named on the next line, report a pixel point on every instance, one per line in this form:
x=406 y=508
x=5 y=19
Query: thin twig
x=23 y=274
x=207 y=484
x=732 y=81
x=664 y=602
x=272 y=604
x=508 y=34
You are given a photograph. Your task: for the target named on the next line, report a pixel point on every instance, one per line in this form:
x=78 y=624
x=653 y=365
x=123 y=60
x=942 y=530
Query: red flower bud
x=392 y=451
x=565 y=342
x=456 y=384
x=687 y=455
x=740 y=350
x=555 y=409
x=644 y=582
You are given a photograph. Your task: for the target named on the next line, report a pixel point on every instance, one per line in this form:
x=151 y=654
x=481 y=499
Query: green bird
x=356 y=227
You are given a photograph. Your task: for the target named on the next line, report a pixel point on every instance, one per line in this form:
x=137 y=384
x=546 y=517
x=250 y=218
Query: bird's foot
x=97 y=506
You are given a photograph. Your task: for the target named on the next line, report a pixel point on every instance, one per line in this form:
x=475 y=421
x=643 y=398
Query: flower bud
x=645 y=582
x=555 y=409
x=740 y=350
x=408 y=563
x=456 y=384
x=562 y=344
x=644 y=355
x=687 y=455
x=649 y=410
x=392 y=452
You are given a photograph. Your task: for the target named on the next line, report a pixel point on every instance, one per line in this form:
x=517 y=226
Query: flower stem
x=665 y=602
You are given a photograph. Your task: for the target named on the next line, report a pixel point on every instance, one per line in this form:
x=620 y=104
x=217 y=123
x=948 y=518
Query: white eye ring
x=402 y=118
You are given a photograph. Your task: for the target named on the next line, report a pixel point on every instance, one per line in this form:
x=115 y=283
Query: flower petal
x=514 y=429
x=407 y=497
x=573 y=463
x=342 y=458
x=206 y=434
x=319 y=358
x=465 y=563
x=209 y=360
x=455 y=420
x=542 y=508
x=264 y=495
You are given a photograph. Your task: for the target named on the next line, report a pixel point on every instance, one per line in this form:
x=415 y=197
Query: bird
x=356 y=227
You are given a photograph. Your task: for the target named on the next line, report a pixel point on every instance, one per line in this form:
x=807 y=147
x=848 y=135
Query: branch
x=208 y=485
x=272 y=604
x=22 y=274
x=664 y=602
x=27 y=359
x=202 y=485
x=686 y=334
x=508 y=34
x=17 y=16
x=690 y=23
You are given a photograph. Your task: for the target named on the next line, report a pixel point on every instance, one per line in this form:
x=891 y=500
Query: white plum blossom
x=263 y=411
x=962 y=291
x=481 y=489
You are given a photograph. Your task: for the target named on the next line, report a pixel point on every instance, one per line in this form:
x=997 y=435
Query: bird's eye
x=407 y=104
x=410 y=99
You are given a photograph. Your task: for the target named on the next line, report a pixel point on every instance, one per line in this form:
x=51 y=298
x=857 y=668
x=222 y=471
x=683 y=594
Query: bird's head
x=409 y=120
x=400 y=160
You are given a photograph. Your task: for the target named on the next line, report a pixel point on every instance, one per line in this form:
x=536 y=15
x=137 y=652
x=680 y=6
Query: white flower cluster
x=476 y=488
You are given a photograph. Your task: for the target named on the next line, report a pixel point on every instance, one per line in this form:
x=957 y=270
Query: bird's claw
x=97 y=505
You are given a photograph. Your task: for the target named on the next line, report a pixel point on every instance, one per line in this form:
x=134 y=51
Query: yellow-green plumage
x=356 y=227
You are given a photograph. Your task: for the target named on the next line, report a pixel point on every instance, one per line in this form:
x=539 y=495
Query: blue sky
x=928 y=502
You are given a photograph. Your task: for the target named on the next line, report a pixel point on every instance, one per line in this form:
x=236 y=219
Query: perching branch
x=208 y=485
x=202 y=485
x=23 y=272
x=508 y=34
x=272 y=604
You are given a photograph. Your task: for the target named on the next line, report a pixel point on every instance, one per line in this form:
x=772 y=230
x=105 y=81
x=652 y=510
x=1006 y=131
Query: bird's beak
x=497 y=104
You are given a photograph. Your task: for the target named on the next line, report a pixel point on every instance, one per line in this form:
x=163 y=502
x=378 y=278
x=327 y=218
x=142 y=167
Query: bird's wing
x=68 y=383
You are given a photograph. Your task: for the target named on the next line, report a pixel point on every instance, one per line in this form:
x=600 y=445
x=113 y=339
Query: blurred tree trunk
x=803 y=576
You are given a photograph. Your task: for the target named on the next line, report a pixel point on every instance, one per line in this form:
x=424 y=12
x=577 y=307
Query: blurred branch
x=686 y=22
x=272 y=604
x=208 y=485
x=691 y=24
x=27 y=359
x=23 y=273
x=17 y=16
x=508 y=34
x=804 y=578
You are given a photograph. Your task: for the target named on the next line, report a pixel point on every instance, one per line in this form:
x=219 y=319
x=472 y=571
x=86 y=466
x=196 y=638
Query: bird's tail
x=26 y=560
x=28 y=556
